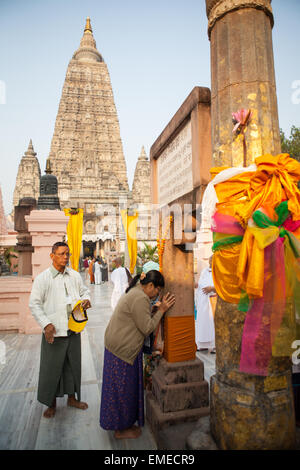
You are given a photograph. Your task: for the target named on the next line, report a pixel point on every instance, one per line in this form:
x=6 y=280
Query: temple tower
x=28 y=177
x=141 y=197
x=86 y=151
x=141 y=181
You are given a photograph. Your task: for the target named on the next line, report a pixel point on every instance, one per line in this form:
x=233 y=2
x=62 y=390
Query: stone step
x=180 y=396
x=180 y=372
x=159 y=420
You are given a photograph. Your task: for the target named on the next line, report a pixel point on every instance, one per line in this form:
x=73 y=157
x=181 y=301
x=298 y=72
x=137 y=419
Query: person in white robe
x=97 y=273
x=204 y=324
x=120 y=280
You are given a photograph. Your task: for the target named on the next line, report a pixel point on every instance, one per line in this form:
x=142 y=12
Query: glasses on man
x=63 y=254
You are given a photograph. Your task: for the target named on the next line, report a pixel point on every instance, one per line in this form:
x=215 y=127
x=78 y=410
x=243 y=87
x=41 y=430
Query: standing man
x=205 y=327
x=119 y=278
x=104 y=271
x=54 y=292
x=97 y=272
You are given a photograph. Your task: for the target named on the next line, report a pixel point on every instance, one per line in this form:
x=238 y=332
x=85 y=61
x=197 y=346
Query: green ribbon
x=263 y=221
x=226 y=241
x=244 y=302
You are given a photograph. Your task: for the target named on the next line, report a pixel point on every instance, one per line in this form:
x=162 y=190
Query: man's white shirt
x=52 y=291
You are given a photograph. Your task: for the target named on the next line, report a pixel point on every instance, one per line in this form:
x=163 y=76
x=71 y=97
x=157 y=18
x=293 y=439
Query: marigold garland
x=161 y=243
x=74 y=211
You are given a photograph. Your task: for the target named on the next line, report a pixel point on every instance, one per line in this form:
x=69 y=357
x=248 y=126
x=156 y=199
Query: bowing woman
x=122 y=401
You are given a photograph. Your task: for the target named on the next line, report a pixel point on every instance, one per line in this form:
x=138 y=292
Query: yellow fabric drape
x=241 y=266
x=130 y=227
x=225 y=279
x=274 y=181
x=74 y=233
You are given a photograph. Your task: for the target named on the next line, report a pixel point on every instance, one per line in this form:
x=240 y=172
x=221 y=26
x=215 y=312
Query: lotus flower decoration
x=240 y=120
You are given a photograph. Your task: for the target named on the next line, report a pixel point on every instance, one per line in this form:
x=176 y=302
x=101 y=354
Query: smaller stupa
x=48 y=198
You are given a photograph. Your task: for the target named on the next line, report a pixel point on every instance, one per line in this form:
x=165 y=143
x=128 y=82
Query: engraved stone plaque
x=174 y=167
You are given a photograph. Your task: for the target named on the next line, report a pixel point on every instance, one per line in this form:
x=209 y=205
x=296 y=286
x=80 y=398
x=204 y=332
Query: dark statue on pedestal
x=48 y=198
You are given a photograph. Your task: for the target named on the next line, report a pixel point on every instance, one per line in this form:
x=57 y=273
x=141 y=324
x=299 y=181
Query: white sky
x=156 y=52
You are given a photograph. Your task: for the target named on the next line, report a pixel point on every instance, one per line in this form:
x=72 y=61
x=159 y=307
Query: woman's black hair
x=152 y=276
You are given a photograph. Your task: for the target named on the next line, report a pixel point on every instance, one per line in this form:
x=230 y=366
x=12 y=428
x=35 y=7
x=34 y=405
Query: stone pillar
x=242 y=76
x=46 y=228
x=24 y=244
x=246 y=411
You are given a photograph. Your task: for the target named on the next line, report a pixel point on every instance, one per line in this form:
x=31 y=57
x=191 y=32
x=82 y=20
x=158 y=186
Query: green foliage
x=148 y=253
x=8 y=254
x=291 y=144
x=139 y=269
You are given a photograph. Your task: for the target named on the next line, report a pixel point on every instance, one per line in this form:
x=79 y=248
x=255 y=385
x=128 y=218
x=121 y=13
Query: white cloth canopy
x=204 y=326
x=94 y=237
x=120 y=281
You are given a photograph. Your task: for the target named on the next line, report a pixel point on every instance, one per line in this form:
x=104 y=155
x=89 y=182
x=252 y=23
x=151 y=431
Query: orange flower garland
x=161 y=243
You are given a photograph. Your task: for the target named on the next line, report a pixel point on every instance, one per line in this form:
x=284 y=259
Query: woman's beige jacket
x=130 y=324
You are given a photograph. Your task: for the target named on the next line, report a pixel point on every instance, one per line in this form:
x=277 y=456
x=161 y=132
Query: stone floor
x=22 y=426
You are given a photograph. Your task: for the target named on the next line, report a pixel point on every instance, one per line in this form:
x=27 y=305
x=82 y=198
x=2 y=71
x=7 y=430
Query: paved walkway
x=22 y=425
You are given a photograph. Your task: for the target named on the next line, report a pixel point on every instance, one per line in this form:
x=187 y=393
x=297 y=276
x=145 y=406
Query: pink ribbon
x=265 y=314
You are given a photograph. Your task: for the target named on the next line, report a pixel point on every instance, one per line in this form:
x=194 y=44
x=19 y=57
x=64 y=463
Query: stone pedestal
x=24 y=244
x=46 y=228
x=179 y=395
x=15 y=315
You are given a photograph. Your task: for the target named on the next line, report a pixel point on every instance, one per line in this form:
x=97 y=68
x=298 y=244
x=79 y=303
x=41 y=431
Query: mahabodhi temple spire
x=86 y=149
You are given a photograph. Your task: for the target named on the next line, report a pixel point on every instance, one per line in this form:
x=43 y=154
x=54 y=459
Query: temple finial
x=30 y=151
x=88 y=26
x=143 y=155
x=48 y=170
